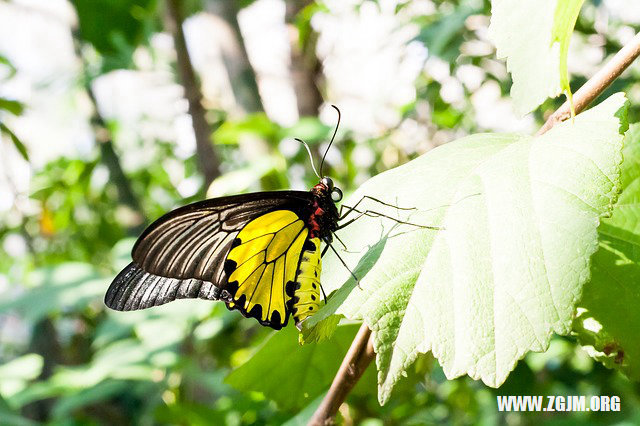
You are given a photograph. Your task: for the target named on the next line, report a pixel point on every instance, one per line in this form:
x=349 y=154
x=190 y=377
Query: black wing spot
x=236 y=242
x=311 y=308
x=313 y=297
x=275 y=318
x=315 y=273
x=309 y=246
x=256 y=311
x=230 y=266
x=290 y=288
x=313 y=285
x=241 y=301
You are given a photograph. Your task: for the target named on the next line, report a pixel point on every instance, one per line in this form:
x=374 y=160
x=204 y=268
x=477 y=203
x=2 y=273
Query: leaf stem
x=596 y=84
x=355 y=362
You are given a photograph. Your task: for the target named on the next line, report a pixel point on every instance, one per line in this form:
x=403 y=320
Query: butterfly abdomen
x=306 y=299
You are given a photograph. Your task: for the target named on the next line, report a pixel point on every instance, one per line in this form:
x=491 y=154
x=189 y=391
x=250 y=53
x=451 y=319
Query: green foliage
x=444 y=35
x=17 y=143
x=18 y=372
x=306 y=374
x=11 y=418
x=115 y=28
x=65 y=286
x=78 y=219
x=65 y=359
x=13 y=107
x=608 y=320
x=517 y=220
x=4 y=61
x=258 y=125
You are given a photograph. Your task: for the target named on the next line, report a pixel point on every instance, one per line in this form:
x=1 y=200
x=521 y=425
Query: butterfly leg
x=344 y=246
x=365 y=197
x=343 y=263
x=372 y=213
x=326 y=248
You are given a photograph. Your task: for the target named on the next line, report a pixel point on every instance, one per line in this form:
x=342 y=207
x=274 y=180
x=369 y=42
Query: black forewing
x=181 y=255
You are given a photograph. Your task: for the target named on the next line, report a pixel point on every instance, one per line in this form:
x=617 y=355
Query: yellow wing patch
x=263 y=260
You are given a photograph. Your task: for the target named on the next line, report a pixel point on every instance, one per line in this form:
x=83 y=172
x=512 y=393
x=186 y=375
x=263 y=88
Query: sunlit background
x=103 y=143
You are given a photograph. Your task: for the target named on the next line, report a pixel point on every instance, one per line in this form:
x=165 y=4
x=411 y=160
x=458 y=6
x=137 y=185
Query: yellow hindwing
x=263 y=260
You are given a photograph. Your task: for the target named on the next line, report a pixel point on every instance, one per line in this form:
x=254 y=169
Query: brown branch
x=208 y=161
x=596 y=84
x=355 y=362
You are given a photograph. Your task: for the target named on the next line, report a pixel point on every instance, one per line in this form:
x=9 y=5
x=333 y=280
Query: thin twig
x=355 y=362
x=596 y=84
x=361 y=352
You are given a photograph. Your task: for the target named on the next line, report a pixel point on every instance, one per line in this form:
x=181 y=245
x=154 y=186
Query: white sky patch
x=155 y=109
x=623 y=10
x=495 y=113
x=207 y=35
x=14 y=245
x=289 y=147
x=36 y=37
x=363 y=156
x=267 y=43
x=369 y=62
x=471 y=76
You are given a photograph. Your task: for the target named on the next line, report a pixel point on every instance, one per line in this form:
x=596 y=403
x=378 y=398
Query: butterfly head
x=326 y=188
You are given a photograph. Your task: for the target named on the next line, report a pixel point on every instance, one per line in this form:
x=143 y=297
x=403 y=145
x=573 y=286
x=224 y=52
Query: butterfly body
x=323 y=220
x=259 y=253
x=306 y=298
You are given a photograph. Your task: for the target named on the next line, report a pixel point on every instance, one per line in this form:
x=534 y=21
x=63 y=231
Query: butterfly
x=259 y=253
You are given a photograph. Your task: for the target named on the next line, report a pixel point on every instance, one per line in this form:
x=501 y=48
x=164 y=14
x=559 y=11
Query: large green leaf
x=534 y=37
x=608 y=315
x=519 y=217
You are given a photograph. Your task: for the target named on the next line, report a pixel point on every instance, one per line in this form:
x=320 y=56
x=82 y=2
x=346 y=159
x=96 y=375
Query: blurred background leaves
x=98 y=140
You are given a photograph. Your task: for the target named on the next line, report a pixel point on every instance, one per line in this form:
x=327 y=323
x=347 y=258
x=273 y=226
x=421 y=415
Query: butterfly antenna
x=332 y=138
x=310 y=156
